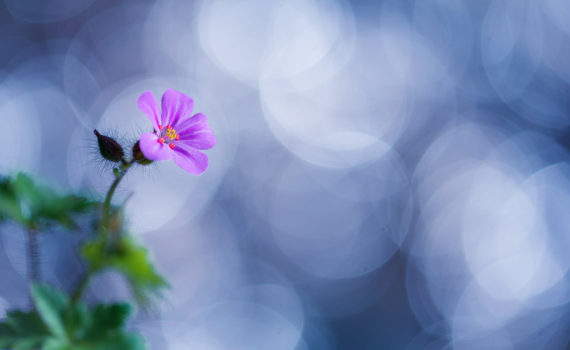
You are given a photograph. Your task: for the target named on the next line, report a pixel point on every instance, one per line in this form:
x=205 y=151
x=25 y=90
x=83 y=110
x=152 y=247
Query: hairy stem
x=107 y=204
x=122 y=170
x=78 y=293
x=33 y=259
x=34 y=273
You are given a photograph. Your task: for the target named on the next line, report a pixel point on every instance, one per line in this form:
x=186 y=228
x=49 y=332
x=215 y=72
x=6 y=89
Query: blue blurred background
x=388 y=174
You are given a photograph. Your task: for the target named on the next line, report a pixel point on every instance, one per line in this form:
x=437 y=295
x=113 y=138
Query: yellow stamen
x=171 y=133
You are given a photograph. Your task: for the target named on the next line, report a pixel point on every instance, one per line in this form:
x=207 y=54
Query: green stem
x=119 y=174
x=33 y=256
x=34 y=273
x=107 y=204
x=81 y=287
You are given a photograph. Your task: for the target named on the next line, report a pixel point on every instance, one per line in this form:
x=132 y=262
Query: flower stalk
x=78 y=292
x=119 y=173
x=122 y=170
x=33 y=257
x=34 y=273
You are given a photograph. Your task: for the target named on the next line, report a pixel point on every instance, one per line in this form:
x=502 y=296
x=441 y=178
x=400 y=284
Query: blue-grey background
x=388 y=174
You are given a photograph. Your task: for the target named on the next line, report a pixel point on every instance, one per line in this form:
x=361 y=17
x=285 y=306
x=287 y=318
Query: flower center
x=171 y=133
x=167 y=135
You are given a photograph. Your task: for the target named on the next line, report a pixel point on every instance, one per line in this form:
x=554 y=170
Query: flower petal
x=148 y=105
x=196 y=133
x=189 y=125
x=200 y=139
x=152 y=149
x=191 y=160
x=175 y=105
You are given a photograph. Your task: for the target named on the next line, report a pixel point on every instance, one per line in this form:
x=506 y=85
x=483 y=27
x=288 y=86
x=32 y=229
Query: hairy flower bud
x=138 y=156
x=109 y=148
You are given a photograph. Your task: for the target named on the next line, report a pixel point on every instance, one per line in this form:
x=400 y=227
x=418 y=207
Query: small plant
x=60 y=319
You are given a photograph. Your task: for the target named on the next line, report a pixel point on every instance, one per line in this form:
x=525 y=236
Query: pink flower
x=176 y=135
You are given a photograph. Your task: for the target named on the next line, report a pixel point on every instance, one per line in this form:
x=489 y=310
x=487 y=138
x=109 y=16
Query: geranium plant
x=61 y=319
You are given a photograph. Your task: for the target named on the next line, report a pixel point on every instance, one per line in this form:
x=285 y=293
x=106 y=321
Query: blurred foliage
x=34 y=206
x=23 y=330
x=59 y=324
x=132 y=260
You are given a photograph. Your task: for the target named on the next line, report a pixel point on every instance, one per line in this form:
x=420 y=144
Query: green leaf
x=111 y=341
x=77 y=320
x=61 y=325
x=7 y=335
x=9 y=205
x=26 y=344
x=23 y=201
x=59 y=209
x=56 y=344
x=51 y=304
x=23 y=322
x=23 y=330
x=131 y=260
x=105 y=331
x=113 y=316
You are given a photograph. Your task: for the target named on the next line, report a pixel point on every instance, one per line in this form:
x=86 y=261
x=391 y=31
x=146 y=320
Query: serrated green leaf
x=98 y=328
x=23 y=322
x=106 y=331
x=51 y=305
x=56 y=344
x=128 y=258
x=31 y=205
x=77 y=319
x=23 y=331
x=93 y=253
x=7 y=335
x=112 y=341
x=108 y=317
x=9 y=205
x=27 y=344
x=135 y=262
